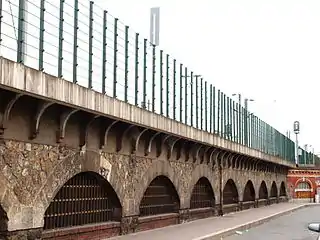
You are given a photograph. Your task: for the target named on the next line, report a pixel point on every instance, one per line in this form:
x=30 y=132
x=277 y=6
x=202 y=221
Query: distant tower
x=154 y=25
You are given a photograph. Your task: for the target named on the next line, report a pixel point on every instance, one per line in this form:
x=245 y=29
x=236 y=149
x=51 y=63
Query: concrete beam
x=17 y=77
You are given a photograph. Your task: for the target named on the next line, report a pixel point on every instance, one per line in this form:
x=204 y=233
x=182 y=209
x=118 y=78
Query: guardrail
x=81 y=42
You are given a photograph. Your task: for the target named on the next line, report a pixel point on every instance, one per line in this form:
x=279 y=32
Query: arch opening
x=230 y=193
x=303 y=190
x=202 y=195
x=274 y=190
x=263 y=190
x=283 y=192
x=3 y=222
x=87 y=198
x=159 y=198
x=249 y=192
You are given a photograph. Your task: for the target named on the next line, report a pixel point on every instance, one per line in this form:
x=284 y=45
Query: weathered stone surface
x=26 y=166
x=34 y=173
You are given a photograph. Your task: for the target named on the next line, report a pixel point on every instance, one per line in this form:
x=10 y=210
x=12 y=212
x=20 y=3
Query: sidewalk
x=216 y=227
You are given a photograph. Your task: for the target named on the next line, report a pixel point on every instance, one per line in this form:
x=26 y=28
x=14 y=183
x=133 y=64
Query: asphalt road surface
x=288 y=227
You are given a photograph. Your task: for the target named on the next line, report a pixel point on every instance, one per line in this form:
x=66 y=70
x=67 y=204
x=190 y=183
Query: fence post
x=104 y=50
x=153 y=76
x=191 y=99
x=144 y=97
x=90 y=44
x=174 y=89
x=136 y=70
x=161 y=82
x=60 y=50
x=181 y=97
x=205 y=106
x=126 y=62
x=21 y=32
x=115 y=53
x=167 y=85
x=186 y=95
x=41 y=35
x=75 y=41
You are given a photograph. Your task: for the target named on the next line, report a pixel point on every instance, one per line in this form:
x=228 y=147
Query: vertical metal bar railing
x=90 y=71
x=115 y=57
x=75 y=40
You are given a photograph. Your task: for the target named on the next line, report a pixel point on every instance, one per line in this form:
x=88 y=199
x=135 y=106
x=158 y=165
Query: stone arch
x=200 y=171
x=202 y=195
x=3 y=222
x=283 y=190
x=230 y=193
x=70 y=166
x=249 y=193
x=273 y=190
x=158 y=168
x=263 y=190
x=165 y=198
x=90 y=188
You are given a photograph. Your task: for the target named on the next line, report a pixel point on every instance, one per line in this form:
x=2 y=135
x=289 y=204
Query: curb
x=230 y=231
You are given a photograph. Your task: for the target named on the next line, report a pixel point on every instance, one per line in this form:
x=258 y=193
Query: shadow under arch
x=202 y=195
x=273 y=190
x=230 y=193
x=160 y=197
x=283 y=191
x=86 y=198
x=263 y=190
x=249 y=193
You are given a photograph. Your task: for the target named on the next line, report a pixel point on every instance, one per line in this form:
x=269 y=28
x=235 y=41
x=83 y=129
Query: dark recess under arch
x=159 y=198
x=202 y=194
x=230 y=193
x=87 y=198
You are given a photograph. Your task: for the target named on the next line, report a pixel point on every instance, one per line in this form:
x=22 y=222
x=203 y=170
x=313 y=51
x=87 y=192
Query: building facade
x=303 y=183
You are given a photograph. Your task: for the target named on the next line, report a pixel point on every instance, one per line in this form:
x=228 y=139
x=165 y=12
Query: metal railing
x=81 y=42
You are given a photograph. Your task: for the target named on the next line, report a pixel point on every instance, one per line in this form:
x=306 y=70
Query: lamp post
x=296 y=129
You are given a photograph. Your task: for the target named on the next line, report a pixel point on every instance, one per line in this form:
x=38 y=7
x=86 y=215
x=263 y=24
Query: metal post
x=126 y=62
x=214 y=110
x=233 y=121
x=90 y=45
x=246 y=122
x=161 y=82
x=115 y=53
x=186 y=96
x=75 y=41
x=104 y=47
x=136 y=70
x=218 y=113
x=205 y=106
x=181 y=97
x=228 y=118
x=167 y=85
x=144 y=73
x=174 y=88
x=201 y=104
x=197 y=103
x=210 y=111
x=191 y=99
x=153 y=76
x=1 y=22
x=41 y=35
x=60 y=51
x=21 y=32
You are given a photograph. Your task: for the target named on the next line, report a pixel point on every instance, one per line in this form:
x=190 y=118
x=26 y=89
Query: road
x=288 y=227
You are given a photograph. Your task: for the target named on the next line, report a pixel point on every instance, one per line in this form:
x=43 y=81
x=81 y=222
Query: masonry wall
x=36 y=162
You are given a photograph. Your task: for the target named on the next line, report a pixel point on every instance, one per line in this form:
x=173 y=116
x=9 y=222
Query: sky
x=266 y=50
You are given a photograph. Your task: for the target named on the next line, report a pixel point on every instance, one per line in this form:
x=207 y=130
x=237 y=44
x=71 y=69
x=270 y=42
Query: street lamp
x=296 y=129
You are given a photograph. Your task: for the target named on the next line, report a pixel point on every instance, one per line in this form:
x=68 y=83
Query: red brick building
x=303 y=183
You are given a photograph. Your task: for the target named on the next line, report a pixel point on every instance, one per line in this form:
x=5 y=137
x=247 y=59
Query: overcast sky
x=267 y=50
